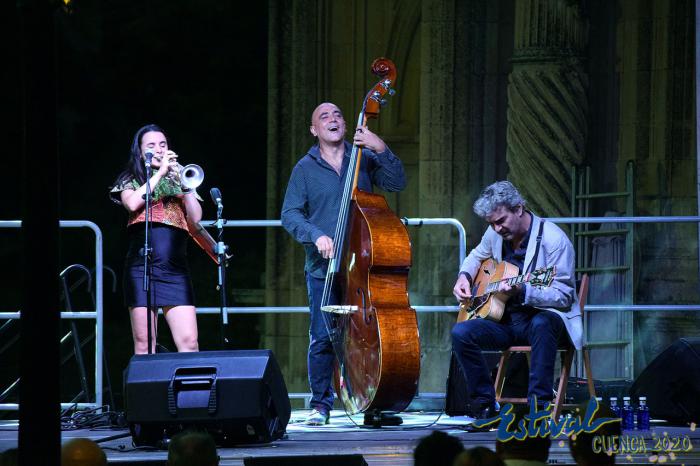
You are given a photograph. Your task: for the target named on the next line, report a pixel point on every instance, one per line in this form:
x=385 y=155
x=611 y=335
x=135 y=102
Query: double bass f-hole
x=365 y=316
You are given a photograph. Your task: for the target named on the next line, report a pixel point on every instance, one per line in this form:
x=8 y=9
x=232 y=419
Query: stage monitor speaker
x=671 y=383
x=316 y=460
x=239 y=397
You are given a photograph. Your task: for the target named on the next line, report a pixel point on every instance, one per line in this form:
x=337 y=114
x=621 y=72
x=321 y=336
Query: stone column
x=292 y=93
x=435 y=251
x=547 y=103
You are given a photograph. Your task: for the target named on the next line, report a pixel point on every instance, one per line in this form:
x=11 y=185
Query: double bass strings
x=341 y=225
x=335 y=323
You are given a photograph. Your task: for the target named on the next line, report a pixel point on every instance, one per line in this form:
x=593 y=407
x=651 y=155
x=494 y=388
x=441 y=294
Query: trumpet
x=191 y=176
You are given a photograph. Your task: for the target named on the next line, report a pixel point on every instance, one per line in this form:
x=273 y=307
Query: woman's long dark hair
x=134 y=167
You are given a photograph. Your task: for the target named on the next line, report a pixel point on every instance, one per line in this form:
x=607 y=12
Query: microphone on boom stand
x=147 y=263
x=221 y=253
x=148 y=155
x=216 y=197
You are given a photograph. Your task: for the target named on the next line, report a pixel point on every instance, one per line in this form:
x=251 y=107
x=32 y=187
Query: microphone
x=148 y=154
x=216 y=197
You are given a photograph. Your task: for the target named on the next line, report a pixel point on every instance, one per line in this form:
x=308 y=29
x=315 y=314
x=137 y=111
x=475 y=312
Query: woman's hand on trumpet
x=168 y=163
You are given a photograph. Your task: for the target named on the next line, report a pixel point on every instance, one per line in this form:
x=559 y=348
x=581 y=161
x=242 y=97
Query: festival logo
x=539 y=423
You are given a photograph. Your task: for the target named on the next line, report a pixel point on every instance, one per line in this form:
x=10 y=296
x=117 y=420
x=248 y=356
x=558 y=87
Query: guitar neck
x=513 y=281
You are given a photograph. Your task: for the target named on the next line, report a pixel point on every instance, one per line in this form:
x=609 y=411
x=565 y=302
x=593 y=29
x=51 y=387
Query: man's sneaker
x=317 y=418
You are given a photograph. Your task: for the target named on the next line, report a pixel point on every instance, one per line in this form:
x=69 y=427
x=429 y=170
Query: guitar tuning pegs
x=382 y=102
x=392 y=91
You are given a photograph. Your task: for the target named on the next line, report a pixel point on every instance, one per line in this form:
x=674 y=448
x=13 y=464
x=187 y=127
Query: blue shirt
x=312 y=201
x=516 y=256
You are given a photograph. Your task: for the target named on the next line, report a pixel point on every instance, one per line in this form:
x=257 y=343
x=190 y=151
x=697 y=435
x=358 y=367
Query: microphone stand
x=220 y=251
x=146 y=255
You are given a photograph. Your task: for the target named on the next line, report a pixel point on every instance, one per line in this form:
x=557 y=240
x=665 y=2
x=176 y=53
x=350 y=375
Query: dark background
x=198 y=69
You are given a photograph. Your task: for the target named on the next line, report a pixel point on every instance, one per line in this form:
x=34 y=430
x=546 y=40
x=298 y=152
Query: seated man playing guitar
x=539 y=313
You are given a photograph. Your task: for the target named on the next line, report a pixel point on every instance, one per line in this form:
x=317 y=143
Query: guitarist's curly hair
x=500 y=193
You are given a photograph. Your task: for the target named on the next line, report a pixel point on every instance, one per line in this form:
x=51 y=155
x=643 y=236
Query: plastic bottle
x=627 y=414
x=613 y=405
x=642 y=414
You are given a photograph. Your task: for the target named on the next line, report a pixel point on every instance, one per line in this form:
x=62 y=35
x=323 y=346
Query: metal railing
x=418 y=222
x=96 y=314
x=650 y=219
x=462 y=255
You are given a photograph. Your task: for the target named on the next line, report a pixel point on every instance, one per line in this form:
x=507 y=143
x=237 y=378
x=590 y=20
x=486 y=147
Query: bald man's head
x=328 y=124
x=82 y=452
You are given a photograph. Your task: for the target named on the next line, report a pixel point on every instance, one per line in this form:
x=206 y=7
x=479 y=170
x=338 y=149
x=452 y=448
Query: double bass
x=374 y=330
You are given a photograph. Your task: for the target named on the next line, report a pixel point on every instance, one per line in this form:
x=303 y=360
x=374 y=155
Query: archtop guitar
x=486 y=302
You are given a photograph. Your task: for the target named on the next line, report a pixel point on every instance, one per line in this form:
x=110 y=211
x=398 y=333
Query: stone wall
x=657 y=130
x=489 y=90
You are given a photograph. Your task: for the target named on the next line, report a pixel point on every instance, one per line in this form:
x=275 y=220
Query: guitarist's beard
x=509 y=236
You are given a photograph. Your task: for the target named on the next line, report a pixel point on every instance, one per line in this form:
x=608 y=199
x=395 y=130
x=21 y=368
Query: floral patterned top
x=166 y=207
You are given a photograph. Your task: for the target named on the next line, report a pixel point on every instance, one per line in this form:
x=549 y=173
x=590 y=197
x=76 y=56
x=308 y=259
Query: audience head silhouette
x=82 y=452
x=478 y=456
x=9 y=457
x=192 y=448
x=531 y=450
x=582 y=447
x=535 y=450
x=437 y=449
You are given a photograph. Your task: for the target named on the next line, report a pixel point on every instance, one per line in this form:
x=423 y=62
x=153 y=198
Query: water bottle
x=614 y=407
x=627 y=414
x=642 y=414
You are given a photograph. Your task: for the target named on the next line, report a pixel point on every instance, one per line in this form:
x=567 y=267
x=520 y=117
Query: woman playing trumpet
x=172 y=210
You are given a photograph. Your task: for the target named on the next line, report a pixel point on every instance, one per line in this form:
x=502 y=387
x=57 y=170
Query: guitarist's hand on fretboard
x=505 y=288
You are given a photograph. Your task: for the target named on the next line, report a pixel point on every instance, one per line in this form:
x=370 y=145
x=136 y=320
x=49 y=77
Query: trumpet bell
x=191 y=176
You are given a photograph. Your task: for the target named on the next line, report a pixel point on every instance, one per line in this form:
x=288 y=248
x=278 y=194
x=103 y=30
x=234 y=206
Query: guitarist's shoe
x=482 y=415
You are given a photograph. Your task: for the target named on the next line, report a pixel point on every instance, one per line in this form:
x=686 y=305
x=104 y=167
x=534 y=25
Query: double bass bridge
x=340 y=309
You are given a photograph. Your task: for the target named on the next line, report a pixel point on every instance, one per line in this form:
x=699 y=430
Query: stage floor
x=383 y=446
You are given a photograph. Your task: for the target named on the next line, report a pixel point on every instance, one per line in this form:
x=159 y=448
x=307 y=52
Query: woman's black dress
x=170 y=277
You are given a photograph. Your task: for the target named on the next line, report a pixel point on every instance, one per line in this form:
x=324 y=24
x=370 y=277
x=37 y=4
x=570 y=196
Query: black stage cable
x=113 y=437
x=88 y=419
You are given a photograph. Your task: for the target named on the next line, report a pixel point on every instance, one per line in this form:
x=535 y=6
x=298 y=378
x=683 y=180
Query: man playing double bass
x=310 y=214
x=537 y=316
